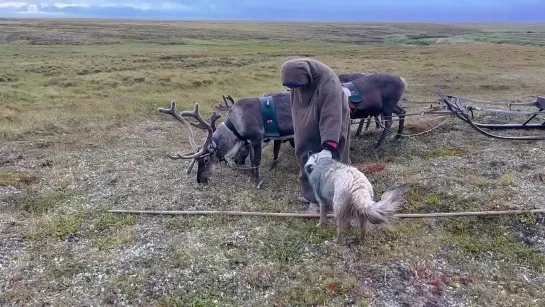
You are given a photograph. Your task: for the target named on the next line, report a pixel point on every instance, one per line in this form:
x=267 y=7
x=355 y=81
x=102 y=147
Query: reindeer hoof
x=258 y=184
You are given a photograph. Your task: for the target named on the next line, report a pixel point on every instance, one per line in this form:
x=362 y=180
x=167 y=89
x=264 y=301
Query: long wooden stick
x=306 y=215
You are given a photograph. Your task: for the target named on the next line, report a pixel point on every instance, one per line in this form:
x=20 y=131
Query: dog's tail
x=383 y=211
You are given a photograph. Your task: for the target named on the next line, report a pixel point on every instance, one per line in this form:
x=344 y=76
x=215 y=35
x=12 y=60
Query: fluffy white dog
x=350 y=194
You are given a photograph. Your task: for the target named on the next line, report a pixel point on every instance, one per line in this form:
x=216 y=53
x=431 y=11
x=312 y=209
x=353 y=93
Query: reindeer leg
x=368 y=124
x=377 y=121
x=255 y=157
x=400 y=112
x=276 y=151
x=360 y=127
x=387 y=125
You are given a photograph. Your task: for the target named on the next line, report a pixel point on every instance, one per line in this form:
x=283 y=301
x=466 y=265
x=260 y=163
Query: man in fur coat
x=320 y=113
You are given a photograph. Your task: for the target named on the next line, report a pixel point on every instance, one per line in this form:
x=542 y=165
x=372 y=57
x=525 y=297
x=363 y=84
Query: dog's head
x=311 y=162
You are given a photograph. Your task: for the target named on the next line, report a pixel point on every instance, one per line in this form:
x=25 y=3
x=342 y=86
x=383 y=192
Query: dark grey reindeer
x=344 y=78
x=244 y=127
x=380 y=95
x=242 y=154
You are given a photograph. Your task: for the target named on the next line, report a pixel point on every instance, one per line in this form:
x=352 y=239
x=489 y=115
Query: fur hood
x=302 y=72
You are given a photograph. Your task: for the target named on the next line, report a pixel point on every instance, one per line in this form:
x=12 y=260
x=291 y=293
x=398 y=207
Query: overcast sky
x=321 y=10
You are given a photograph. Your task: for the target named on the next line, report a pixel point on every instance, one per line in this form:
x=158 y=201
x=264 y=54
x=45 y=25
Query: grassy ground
x=79 y=134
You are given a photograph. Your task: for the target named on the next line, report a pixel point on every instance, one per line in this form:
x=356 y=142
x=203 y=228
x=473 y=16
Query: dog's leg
x=363 y=228
x=342 y=208
x=323 y=214
x=342 y=225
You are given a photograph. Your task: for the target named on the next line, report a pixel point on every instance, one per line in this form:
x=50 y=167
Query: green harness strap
x=268 y=113
x=355 y=95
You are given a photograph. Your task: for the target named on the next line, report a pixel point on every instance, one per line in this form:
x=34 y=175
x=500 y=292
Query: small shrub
x=482 y=182
x=8 y=78
x=16 y=179
x=44 y=203
x=108 y=221
x=507 y=179
x=64 y=226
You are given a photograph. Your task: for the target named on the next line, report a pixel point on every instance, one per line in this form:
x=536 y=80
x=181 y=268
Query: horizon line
x=266 y=21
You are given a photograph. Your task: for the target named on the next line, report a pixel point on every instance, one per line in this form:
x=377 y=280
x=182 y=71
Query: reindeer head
x=242 y=154
x=225 y=107
x=206 y=154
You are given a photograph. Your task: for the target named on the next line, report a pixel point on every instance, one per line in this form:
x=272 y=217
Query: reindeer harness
x=268 y=114
x=216 y=149
x=231 y=127
x=354 y=93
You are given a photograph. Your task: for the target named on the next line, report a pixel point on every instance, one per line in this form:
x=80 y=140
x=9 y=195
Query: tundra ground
x=80 y=135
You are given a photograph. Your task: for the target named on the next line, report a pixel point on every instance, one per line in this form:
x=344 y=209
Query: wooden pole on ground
x=306 y=215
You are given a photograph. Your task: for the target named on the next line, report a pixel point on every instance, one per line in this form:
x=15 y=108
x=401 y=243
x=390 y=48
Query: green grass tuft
x=40 y=204
x=448 y=152
x=485 y=237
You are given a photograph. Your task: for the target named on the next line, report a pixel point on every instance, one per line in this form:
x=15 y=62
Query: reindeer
x=244 y=127
x=380 y=93
x=344 y=78
x=242 y=154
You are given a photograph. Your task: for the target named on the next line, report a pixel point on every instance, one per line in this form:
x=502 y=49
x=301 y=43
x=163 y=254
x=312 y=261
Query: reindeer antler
x=231 y=99
x=213 y=118
x=178 y=156
x=225 y=107
x=172 y=111
x=202 y=123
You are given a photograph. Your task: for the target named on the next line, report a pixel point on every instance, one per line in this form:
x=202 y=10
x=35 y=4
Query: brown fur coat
x=319 y=110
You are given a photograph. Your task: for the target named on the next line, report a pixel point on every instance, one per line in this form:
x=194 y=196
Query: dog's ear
x=310 y=153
